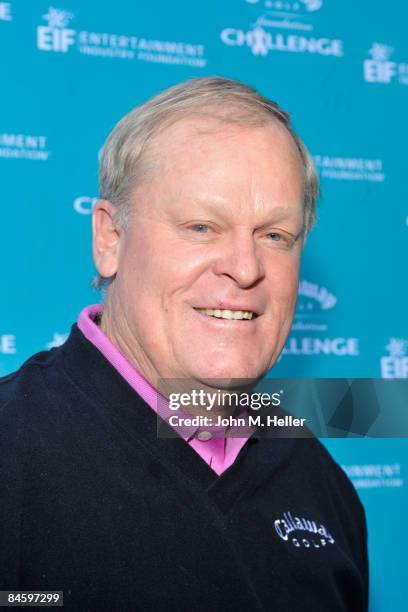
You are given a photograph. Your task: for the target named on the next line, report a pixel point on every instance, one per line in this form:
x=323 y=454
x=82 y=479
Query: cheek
x=148 y=262
x=137 y=280
x=159 y=269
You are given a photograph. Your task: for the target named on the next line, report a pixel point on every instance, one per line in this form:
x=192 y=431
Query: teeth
x=227 y=314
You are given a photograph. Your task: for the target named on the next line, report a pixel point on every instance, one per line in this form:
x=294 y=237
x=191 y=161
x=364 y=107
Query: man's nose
x=240 y=259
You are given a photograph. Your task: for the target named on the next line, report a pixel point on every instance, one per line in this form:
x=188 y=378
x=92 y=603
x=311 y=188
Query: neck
x=115 y=326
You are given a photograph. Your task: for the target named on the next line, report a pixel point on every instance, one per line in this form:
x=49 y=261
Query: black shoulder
x=26 y=387
x=330 y=471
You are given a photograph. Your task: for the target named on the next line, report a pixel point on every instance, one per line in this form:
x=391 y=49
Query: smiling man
x=206 y=198
x=211 y=250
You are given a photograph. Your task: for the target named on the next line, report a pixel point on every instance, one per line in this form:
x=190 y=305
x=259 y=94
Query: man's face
x=207 y=270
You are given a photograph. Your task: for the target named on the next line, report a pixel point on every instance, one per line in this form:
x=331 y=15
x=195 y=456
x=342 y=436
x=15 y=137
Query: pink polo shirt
x=218 y=453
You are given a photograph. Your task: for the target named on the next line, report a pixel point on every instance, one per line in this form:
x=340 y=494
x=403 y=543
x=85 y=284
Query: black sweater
x=92 y=503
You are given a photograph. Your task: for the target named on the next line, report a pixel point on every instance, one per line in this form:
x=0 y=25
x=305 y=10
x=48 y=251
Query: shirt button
x=203 y=436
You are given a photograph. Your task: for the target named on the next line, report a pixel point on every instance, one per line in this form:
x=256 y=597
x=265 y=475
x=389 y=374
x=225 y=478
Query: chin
x=228 y=375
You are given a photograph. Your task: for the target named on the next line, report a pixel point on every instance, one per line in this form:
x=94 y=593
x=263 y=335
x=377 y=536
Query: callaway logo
x=320 y=295
x=289 y=524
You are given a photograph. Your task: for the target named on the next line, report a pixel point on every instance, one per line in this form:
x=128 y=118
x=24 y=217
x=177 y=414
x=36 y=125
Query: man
x=206 y=198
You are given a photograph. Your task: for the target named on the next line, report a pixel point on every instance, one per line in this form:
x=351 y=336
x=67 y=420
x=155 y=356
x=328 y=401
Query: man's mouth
x=236 y=315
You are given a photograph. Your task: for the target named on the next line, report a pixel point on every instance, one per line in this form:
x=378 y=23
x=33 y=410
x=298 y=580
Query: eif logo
x=379 y=69
x=56 y=36
x=395 y=365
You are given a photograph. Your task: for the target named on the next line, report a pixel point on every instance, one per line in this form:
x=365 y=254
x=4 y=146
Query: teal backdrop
x=69 y=71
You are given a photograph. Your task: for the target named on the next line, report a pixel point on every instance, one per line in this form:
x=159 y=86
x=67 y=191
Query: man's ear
x=106 y=238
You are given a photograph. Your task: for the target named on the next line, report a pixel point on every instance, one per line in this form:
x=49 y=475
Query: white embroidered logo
x=289 y=524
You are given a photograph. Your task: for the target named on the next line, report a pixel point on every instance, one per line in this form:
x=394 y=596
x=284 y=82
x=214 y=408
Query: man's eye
x=201 y=228
x=281 y=239
x=275 y=237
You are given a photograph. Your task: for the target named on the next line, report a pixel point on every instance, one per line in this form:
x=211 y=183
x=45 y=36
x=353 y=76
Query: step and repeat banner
x=69 y=71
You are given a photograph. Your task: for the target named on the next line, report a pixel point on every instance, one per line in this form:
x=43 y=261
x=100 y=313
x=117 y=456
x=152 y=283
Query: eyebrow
x=219 y=206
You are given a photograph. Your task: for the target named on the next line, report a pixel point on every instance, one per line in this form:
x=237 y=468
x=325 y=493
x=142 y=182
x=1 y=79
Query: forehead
x=195 y=139
x=211 y=134
x=210 y=158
